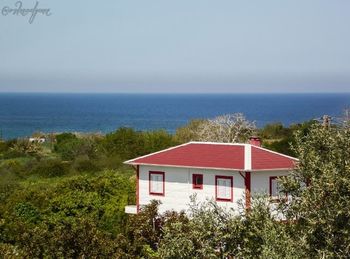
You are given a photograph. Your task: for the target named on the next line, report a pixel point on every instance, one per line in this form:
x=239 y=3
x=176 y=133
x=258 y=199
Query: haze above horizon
x=158 y=46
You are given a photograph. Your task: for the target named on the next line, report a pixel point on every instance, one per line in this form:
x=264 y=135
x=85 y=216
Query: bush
x=11 y=251
x=65 y=239
x=27 y=212
x=84 y=164
x=69 y=146
x=50 y=168
x=274 y=131
x=320 y=188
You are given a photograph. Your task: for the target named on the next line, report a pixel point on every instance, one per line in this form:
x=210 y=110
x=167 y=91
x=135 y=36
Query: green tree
x=213 y=232
x=274 y=131
x=69 y=146
x=320 y=189
x=158 y=140
x=189 y=132
x=124 y=142
x=49 y=168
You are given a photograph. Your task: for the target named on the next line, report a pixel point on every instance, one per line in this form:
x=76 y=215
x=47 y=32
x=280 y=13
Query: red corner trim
x=138 y=188
x=247 y=181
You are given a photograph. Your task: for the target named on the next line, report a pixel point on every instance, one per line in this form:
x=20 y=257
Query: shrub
x=50 y=168
x=27 y=212
x=84 y=164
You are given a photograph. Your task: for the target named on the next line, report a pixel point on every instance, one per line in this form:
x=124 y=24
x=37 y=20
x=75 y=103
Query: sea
x=21 y=114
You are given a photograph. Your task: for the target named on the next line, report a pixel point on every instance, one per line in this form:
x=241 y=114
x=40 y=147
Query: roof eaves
x=185 y=166
x=272 y=169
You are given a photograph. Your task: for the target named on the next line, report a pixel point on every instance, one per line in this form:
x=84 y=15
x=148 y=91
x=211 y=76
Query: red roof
x=263 y=159
x=217 y=156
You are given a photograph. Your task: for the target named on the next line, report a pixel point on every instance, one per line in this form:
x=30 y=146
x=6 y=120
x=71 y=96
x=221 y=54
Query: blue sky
x=177 y=46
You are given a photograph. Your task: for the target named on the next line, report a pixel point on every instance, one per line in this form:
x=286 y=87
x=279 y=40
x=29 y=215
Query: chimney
x=255 y=141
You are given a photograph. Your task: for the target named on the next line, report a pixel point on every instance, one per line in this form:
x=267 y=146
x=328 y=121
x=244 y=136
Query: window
x=223 y=188
x=197 y=181
x=156 y=183
x=275 y=192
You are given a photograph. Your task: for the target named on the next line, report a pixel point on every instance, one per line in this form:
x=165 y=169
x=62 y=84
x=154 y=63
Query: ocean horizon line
x=181 y=93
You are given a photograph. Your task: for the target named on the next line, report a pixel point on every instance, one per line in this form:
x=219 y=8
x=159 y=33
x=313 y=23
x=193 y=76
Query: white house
x=226 y=172
x=37 y=140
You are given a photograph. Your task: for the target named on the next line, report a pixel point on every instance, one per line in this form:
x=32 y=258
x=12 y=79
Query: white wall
x=260 y=184
x=178 y=187
x=260 y=181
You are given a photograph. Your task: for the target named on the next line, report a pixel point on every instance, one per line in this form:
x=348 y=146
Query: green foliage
x=79 y=239
x=128 y=143
x=278 y=138
x=69 y=146
x=144 y=231
x=274 y=131
x=20 y=148
x=157 y=140
x=68 y=217
x=50 y=168
x=189 y=132
x=3 y=146
x=212 y=232
x=125 y=142
x=24 y=147
x=11 y=169
x=282 y=146
x=84 y=164
x=27 y=212
x=11 y=251
x=51 y=208
x=65 y=137
x=321 y=190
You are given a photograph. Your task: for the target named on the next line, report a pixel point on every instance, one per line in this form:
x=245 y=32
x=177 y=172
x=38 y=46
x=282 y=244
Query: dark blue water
x=23 y=114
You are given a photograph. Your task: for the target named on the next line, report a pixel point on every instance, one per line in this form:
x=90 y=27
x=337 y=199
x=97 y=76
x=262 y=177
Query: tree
x=157 y=140
x=69 y=146
x=213 y=232
x=189 y=132
x=228 y=128
x=320 y=190
x=274 y=131
x=124 y=142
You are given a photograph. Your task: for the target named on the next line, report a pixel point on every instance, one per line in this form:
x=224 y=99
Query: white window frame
x=156 y=183
x=226 y=186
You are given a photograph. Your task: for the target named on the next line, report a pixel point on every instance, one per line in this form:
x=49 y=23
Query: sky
x=177 y=46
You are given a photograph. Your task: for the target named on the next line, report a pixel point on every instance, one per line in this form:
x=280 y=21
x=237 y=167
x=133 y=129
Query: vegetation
x=65 y=198
x=318 y=219
x=231 y=128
